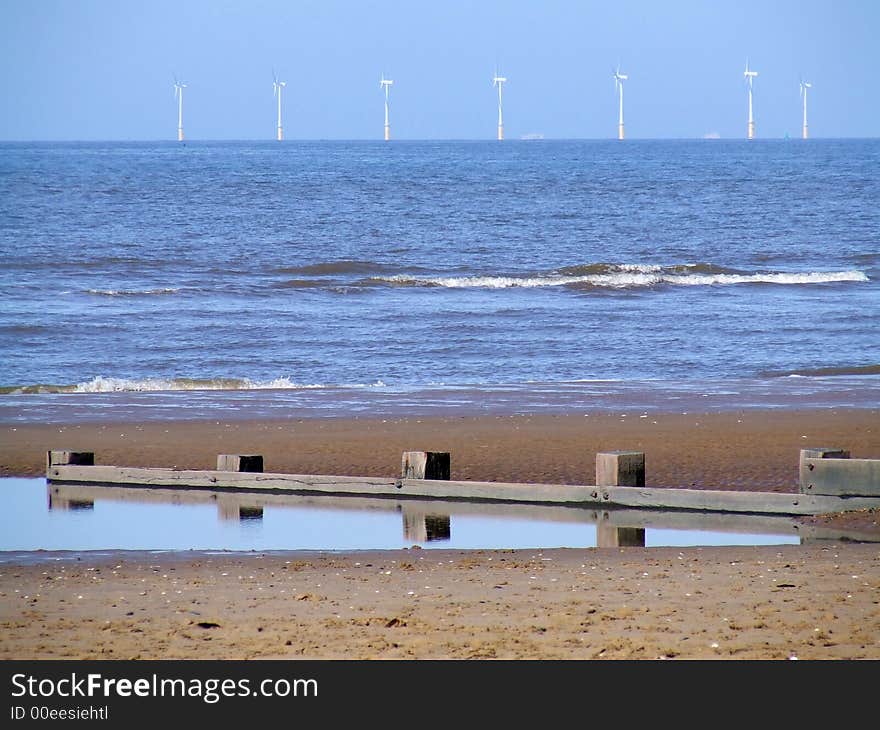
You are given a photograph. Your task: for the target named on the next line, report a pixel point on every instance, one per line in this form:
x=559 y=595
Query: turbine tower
x=178 y=94
x=499 y=81
x=804 y=87
x=277 y=86
x=750 y=76
x=619 y=78
x=386 y=85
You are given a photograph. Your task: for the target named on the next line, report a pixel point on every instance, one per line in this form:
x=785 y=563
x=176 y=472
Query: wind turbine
x=804 y=86
x=499 y=81
x=750 y=76
x=386 y=85
x=277 y=86
x=619 y=78
x=178 y=94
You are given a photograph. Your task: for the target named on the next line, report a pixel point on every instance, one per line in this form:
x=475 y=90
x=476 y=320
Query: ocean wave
x=625 y=276
x=337 y=268
x=24 y=329
x=102 y=384
x=132 y=292
x=825 y=372
x=300 y=284
x=599 y=269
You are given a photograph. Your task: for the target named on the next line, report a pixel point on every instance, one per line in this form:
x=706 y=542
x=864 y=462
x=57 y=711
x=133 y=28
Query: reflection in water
x=613 y=536
x=421 y=527
x=60 y=503
x=113 y=517
x=250 y=514
x=231 y=509
x=437 y=527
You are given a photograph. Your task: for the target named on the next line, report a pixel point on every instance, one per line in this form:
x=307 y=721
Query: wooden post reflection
x=422 y=527
x=233 y=510
x=613 y=536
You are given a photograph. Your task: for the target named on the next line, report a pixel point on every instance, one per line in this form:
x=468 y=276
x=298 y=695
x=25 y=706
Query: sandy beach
x=809 y=602
x=818 y=600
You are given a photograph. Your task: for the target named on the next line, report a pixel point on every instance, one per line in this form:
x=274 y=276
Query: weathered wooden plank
x=657 y=498
x=299 y=483
x=843 y=477
x=212 y=479
x=731 y=501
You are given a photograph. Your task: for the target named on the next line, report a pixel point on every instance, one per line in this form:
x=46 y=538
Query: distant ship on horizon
x=532 y=135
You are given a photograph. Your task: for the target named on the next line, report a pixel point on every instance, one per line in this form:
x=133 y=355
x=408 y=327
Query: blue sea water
x=264 y=278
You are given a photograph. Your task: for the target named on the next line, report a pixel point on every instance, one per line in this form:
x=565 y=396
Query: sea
x=165 y=280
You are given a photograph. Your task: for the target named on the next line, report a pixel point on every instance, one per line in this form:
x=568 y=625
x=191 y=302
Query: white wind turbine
x=499 y=81
x=619 y=78
x=750 y=76
x=178 y=94
x=804 y=86
x=386 y=84
x=277 y=86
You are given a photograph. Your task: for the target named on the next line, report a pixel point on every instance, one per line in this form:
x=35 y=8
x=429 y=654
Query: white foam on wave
x=633 y=276
x=810 y=277
x=132 y=292
x=102 y=384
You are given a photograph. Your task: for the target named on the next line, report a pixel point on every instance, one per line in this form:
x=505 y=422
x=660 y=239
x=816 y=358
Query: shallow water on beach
x=79 y=518
x=359 y=277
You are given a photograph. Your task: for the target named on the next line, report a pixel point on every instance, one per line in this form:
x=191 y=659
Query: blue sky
x=103 y=70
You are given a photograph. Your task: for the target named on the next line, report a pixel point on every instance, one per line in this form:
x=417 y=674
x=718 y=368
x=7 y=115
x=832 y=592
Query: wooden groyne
x=830 y=482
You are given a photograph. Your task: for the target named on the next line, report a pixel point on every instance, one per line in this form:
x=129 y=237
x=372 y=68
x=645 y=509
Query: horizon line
x=522 y=138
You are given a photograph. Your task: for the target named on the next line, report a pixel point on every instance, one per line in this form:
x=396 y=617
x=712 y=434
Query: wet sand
x=813 y=601
x=749 y=449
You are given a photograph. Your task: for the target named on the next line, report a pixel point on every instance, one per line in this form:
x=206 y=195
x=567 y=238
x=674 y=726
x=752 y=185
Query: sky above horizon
x=104 y=69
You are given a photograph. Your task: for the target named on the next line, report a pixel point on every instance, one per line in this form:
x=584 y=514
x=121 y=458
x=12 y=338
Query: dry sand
x=811 y=601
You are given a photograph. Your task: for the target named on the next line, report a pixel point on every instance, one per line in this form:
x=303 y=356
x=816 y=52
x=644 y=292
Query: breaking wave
x=625 y=276
x=826 y=372
x=102 y=384
x=132 y=292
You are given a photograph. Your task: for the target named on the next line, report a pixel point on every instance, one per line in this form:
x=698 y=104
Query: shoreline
x=378 y=400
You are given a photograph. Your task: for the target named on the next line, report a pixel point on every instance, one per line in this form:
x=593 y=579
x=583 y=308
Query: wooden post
x=816 y=453
x=62 y=457
x=842 y=477
x=240 y=462
x=425 y=465
x=620 y=469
